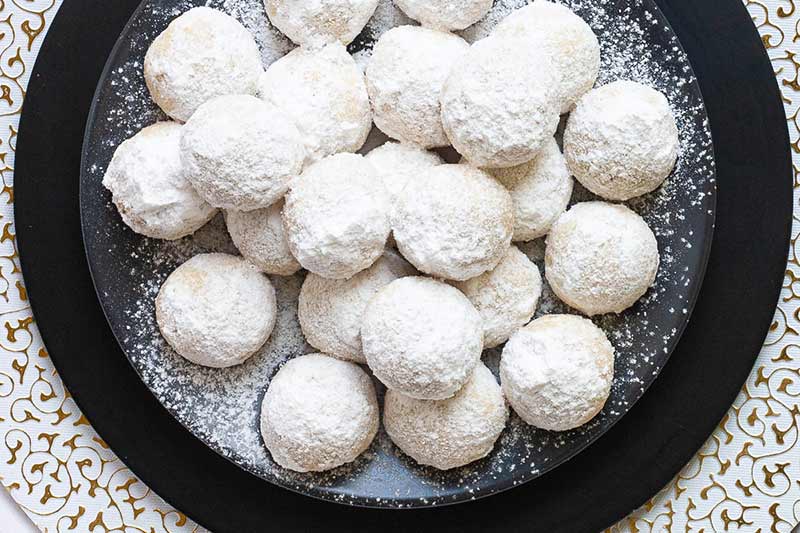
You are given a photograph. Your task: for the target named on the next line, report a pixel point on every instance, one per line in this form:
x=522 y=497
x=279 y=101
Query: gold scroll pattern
x=746 y=478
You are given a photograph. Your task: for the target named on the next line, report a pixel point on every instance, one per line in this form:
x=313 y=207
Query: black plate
x=222 y=407
x=612 y=477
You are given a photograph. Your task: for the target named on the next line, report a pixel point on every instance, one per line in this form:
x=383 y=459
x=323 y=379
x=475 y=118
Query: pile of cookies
x=410 y=264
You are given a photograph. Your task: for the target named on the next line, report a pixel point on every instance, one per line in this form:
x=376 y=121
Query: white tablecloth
x=746 y=477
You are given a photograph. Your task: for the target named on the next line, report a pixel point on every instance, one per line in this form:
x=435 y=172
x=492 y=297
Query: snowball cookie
x=241 y=153
x=405 y=77
x=448 y=433
x=324 y=92
x=498 y=103
x=456 y=224
x=557 y=371
x=621 y=140
x=202 y=54
x=505 y=297
x=318 y=413
x=330 y=311
x=600 y=258
x=445 y=15
x=336 y=218
x=148 y=187
x=195 y=306
x=398 y=163
x=540 y=189
x=260 y=237
x=317 y=22
x=566 y=38
x=422 y=337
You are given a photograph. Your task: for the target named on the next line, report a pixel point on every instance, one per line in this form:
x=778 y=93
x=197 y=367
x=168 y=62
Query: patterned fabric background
x=746 y=478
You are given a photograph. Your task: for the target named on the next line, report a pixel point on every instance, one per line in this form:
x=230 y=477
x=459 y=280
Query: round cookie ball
x=405 y=77
x=601 y=258
x=319 y=22
x=447 y=15
x=148 y=186
x=195 y=305
x=621 y=140
x=456 y=224
x=318 y=413
x=336 y=218
x=557 y=371
x=505 y=297
x=448 y=433
x=331 y=311
x=564 y=36
x=261 y=238
x=202 y=54
x=422 y=337
x=398 y=163
x=540 y=189
x=498 y=103
x=324 y=93
x=241 y=153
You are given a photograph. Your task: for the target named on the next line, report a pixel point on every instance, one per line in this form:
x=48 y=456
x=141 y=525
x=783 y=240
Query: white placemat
x=746 y=477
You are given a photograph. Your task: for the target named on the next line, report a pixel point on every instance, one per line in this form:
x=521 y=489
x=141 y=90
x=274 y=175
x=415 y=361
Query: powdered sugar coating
x=324 y=93
x=498 y=103
x=398 y=163
x=216 y=310
x=540 y=189
x=422 y=337
x=562 y=35
x=331 y=311
x=405 y=77
x=506 y=297
x=449 y=433
x=456 y=224
x=202 y=54
x=557 y=371
x=318 y=413
x=319 y=22
x=148 y=186
x=336 y=218
x=445 y=15
x=601 y=258
x=622 y=140
x=261 y=238
x=241 y=153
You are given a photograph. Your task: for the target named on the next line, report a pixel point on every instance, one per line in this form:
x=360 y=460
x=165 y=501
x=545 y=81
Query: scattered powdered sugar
x=221 y=407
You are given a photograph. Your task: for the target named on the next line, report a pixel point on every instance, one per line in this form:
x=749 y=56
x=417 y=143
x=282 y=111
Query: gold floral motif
x=746 y=477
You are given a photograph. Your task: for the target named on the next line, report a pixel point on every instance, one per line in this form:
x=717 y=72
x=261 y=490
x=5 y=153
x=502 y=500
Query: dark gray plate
x=221 y=407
